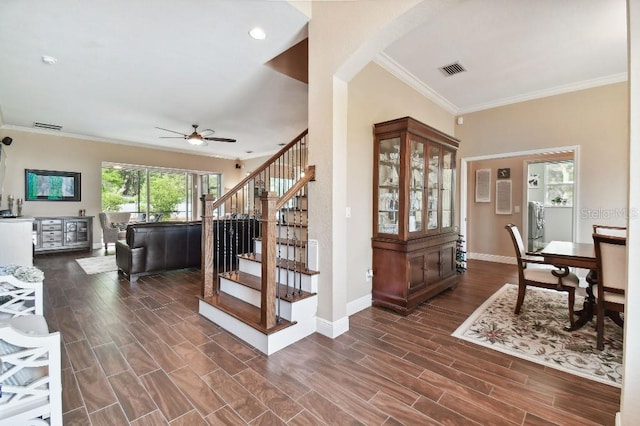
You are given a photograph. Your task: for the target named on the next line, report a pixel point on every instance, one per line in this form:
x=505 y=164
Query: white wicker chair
x=30 y=369
x=30 y=372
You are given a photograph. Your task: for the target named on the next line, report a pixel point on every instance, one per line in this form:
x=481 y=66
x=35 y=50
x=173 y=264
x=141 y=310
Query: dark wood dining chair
x=544 y=275
x=611 y=260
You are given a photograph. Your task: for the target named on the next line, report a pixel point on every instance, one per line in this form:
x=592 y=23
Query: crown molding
x=412 y=81
x=552 y=91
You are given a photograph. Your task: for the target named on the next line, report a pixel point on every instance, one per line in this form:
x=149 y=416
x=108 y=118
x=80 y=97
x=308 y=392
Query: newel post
x=268 y=296
x=206 y=266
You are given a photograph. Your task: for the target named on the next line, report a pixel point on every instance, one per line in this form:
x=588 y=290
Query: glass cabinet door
x=448 y=164
x=416 y=187
x=433 y=187
x=388 y=185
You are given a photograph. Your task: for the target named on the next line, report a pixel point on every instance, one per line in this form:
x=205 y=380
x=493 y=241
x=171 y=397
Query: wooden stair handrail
x=309 y=175
x=259 y=170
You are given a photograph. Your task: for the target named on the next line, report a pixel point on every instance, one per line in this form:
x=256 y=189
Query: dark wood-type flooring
x=140 y=354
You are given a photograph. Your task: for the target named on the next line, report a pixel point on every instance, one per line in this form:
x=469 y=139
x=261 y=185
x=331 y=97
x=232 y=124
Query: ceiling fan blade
x=171 y=137
x=172 y=131
x=219 y=139
x=211 y=131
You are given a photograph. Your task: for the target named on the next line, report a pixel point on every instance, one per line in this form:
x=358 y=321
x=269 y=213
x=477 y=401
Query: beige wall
x=375 y=96
x=41 y=151
x=595 y=120
x=485 y=228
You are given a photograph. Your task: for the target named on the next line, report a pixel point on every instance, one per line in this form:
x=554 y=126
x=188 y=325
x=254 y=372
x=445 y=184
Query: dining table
x=568 y=254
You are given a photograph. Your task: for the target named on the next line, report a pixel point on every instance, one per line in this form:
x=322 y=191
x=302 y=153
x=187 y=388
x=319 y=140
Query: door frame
x=466 y=195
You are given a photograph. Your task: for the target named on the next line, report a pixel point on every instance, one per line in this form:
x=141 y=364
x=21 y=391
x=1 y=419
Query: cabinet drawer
x=51 y=222
x=52 y=227
x=52 y=236
x=50 y=245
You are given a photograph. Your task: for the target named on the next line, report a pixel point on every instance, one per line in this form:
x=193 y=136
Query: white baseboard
x=618 y=419
x=332 y=329
x=492 y=258
x=359 y=304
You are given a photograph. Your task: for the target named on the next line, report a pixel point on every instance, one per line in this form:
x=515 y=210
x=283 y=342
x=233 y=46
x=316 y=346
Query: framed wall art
x=49 y=185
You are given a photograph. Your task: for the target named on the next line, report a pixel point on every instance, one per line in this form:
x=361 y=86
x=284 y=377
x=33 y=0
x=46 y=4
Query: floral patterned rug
x=537 y=334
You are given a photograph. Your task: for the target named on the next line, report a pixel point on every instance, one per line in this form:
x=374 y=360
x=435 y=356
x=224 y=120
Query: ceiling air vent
x=452 y=69
x=47 y=126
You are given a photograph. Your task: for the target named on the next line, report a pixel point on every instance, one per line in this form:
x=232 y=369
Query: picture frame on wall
x=533 y=181
x=483 y=186
x=504 y=173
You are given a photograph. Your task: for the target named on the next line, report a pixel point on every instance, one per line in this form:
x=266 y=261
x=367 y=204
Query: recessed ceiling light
x=257 y=33
x=49 y=60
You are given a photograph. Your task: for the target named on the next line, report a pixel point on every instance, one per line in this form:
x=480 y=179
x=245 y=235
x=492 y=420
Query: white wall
x=630 y=409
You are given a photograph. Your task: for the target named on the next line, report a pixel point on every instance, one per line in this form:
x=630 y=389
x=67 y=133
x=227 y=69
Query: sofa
x=156 y=247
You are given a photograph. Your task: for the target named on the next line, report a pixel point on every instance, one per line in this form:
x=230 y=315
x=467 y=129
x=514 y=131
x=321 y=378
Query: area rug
x=96 y=265
x=537 y=334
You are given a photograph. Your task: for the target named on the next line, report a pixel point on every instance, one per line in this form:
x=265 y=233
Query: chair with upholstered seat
x=614 y=231
x=114 y=226
x=534 y=271
x=611 y=260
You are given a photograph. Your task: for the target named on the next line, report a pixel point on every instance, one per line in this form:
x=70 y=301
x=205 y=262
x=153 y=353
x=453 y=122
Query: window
x=559 y=183
x=210 y=184
x=154 y=194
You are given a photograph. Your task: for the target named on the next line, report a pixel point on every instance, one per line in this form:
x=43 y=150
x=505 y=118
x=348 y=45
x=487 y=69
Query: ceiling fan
x=196 y=138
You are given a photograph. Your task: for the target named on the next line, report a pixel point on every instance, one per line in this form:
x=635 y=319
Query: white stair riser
x=267 y=344
x=296 y=311
x=285 y=251
x=291 y=232
x=306 y=282
x=311 y=260
x=294 y=217
x=301 y=203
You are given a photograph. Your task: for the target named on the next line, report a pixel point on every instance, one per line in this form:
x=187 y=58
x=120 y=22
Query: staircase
x=259 y=267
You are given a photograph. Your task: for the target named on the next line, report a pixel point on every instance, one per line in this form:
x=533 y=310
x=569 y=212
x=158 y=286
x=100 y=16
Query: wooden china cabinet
x=414 y=240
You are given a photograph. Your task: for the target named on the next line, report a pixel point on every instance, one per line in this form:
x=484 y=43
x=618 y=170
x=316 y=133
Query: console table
x=52 y=234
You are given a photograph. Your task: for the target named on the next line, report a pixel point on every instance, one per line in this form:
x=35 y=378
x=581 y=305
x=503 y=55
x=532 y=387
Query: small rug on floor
x=95 y=265
x=537 y=334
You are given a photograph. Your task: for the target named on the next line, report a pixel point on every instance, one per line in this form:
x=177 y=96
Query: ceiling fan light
x=195 y=140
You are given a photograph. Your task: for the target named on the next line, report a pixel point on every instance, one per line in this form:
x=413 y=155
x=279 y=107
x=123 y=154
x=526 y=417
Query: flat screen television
x=50 y=185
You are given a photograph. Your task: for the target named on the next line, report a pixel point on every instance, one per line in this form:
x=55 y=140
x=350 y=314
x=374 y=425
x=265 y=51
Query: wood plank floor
x=139 y=354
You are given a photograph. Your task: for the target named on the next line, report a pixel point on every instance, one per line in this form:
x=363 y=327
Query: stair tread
x=244 y=312
x=291 y=265
x=255 y=282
